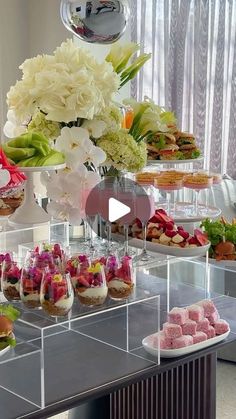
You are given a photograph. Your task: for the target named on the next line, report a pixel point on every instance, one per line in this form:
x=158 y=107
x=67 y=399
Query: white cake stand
x=30 y=212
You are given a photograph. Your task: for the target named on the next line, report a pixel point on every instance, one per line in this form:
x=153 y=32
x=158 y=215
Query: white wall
x=45 y=26
x=14 y=46
x=27 y=28
x=100 y=52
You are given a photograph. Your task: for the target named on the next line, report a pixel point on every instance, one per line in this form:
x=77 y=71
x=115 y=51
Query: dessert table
x=102 y=381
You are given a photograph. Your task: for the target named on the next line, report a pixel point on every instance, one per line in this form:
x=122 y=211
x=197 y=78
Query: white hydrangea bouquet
x=68 y=98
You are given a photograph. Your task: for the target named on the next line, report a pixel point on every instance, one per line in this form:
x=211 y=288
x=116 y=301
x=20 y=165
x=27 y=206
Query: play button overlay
x=120 y=202
x=117 y=210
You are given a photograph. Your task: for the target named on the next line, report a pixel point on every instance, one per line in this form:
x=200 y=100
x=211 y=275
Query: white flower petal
x=5 y=178
x=95 y=127
x=97 y=156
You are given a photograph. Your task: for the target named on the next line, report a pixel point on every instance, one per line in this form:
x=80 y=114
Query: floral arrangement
x=68 y=98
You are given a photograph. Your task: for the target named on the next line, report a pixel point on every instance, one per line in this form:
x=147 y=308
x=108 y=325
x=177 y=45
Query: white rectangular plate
x=171 y=250
x=174 y=353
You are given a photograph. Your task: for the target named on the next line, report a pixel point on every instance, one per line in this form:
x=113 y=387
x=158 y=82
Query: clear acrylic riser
x=19 y=240
x=59 y=358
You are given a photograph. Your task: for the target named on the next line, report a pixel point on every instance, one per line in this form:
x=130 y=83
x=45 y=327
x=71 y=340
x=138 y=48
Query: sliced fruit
x=201 y=237
x=54 y=158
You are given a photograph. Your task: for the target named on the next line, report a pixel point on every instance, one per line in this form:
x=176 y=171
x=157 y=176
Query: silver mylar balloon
x=96 y=21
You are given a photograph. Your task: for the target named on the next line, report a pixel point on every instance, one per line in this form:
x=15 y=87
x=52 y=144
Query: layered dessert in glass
x=10 y=281
x=121 y=282
x=56 y=294
x=90 y=286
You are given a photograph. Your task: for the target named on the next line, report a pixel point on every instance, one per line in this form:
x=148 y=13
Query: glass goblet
x=10 y=278
x=145 y=208
x=30 y=284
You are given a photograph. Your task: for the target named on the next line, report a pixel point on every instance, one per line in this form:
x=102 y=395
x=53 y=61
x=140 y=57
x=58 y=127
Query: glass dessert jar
x=56 y=293
x=10 y=279
x=121 y=283
x=91 y=287
x=30 y=284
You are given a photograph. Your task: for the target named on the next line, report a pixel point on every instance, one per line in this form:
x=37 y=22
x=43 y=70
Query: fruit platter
x=164 y=236
x=188 y=329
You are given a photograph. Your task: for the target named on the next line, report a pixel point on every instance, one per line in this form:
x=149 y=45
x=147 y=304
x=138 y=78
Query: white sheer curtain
x=193 y=69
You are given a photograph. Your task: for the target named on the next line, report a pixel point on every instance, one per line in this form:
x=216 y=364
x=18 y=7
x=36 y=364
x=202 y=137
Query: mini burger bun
x=180 y=134
x=169 y=138
x=6 y=326
x=170 y=147
x=225 y=248
x=187 y=147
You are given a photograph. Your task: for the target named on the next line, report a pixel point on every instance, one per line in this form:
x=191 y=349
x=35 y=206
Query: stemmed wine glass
x=145 y=209
x=197 y=182
x=127 y=197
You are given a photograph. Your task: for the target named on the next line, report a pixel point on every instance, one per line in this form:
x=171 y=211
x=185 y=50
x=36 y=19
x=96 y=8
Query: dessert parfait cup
x=169 y=184
x=10 y=278
x=197 y=182
x=31 y=278
x=91 y=288
x=56 y=293
x=122 y=280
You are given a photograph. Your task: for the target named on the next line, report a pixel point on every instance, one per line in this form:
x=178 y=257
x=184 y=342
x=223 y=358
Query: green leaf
x=10 y=312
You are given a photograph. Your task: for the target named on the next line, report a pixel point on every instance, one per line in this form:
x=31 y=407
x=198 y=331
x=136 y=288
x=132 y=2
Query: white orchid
x=78 y=149
x=65 y=190
x=64 y=212
x=13 y=127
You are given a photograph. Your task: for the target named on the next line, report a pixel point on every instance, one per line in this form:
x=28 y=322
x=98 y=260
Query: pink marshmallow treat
x=178 y=316
x=172 y=331
x=203 y=325
x=221 y=327
x=165 y=343
x=182 y=342
x=210 y=332
x=213 y=317
x=189 y=328
x=209 y=307
x=199 y=337
x=195 y=312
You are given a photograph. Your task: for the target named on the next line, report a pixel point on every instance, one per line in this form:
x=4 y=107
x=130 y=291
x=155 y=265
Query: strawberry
x=154 y=220
x=180 y=228
x=183 y=234
x=201 y=237
x=170 y=225
x=83 y=281
x=170 y=233
x=193 y=240
x=59 y=293
x=163 y=217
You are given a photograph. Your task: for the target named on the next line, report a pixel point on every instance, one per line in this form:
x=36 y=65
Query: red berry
x=169 y=225
x=179 y=228
x=170 y=233
x=201 y=237
x=183 y=234
x=193 y=240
